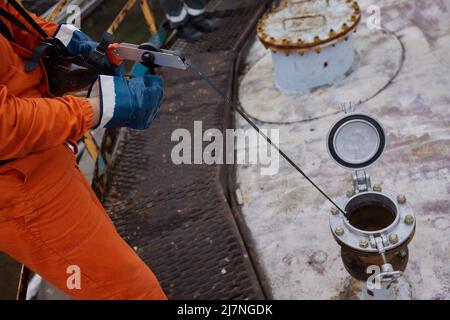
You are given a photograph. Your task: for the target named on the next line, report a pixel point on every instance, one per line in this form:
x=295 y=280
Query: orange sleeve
x=24 y=38
x=29 y=125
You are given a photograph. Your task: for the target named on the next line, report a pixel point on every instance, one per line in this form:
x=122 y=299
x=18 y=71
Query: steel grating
x=178 y=218
x=232 y=14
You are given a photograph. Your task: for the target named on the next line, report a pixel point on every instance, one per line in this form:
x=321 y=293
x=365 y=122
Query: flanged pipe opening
x=371 y=212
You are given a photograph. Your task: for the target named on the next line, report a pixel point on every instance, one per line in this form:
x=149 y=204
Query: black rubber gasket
x=343 y=121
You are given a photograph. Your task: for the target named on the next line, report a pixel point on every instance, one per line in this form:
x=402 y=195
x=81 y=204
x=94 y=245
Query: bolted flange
x=342 y=19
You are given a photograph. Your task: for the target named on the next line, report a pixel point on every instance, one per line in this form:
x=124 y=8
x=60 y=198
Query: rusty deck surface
x=178 y=218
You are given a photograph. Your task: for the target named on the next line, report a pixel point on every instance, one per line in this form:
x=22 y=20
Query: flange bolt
x=363 y=243
x=334 y=210
x=401 y=199
x=393 y=238
x=409 y=219
x=350 y=193
x=377 y=188
x=339 y=231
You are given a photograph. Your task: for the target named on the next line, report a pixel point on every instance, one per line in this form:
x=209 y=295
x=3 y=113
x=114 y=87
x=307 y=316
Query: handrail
x=149 y=17
x=121 y=16
x=58 y=8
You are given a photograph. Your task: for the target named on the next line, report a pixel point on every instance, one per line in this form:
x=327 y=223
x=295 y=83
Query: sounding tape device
x=148 y=55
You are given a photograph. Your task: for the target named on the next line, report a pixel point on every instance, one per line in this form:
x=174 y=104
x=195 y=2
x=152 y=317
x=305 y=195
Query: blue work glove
x=132 y=103
x=77 y=42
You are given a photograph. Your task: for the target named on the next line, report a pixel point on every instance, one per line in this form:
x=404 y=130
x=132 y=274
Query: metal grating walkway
x=235 y=16
x=178 y=217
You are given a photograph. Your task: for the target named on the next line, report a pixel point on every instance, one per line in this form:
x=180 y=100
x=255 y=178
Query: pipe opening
x=371 y=212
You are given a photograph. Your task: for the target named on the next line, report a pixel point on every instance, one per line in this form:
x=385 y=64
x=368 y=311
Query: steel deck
x=178 y=218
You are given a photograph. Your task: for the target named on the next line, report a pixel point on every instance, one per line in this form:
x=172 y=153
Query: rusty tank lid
x=301 y=26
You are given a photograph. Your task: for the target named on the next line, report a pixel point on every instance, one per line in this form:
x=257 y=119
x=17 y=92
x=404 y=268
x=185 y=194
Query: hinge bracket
x=361 y=181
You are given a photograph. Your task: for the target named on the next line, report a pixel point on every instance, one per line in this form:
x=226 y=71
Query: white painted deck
x=288 y=219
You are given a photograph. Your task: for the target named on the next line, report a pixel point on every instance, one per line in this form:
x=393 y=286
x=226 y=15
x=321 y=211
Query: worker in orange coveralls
x=50 y=219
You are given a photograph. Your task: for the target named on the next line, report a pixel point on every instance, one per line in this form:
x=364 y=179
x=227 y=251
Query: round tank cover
x=356 y=141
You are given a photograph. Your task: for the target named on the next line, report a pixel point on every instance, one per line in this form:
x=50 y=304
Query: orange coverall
x=50 y=219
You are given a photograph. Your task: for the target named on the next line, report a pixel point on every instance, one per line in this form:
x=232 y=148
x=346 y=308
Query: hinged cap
x=356 y=141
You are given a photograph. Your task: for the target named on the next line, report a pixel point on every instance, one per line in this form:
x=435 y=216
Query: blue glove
x=78 y=42
x=132 y=103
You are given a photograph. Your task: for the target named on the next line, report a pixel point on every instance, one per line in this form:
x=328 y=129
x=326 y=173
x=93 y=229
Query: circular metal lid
x=356 y=141
x=308 y=24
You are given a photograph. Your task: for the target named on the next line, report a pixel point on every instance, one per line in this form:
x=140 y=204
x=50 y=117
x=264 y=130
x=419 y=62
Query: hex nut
x=377 y=188
x=339 y=231
x=393 y=238
x=401 y=199
x=409 y=219
x=334 y=210
x=350 y=193
x=363 y=243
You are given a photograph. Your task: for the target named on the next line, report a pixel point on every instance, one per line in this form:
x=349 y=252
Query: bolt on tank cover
x=356 y=141
x=308 y=24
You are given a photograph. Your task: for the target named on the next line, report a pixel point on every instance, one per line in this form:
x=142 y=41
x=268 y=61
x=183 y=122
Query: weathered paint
x=308 y=25
x=311 y=42
x=379 y=56
x=297 y=73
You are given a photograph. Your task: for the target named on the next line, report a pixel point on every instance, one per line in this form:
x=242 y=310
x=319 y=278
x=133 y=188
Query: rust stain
x=317 y=261
x=432 y=149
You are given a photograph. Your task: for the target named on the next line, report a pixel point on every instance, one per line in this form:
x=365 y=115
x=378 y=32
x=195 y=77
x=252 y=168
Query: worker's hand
x=80 y=43
x=131 y=103
x=108 y=62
